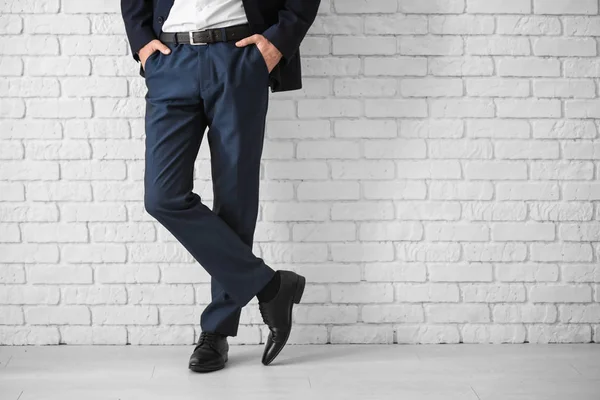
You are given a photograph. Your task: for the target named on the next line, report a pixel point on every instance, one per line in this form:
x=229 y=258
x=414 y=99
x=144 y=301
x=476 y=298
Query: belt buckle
x=191 y=35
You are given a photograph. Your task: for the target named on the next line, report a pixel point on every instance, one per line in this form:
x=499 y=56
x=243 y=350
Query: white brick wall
x=436 y=180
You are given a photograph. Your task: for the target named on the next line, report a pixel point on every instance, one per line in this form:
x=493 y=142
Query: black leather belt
x=235 y=32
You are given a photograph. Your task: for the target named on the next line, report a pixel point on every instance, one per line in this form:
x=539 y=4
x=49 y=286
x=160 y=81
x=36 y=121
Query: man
x=209 y=64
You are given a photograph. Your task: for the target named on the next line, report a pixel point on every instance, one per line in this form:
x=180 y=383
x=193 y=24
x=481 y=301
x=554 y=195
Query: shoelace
x=263 y=312
x=208 y=337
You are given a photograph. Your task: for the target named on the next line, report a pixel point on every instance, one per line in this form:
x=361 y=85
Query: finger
x=247 y=40
x=160 y=46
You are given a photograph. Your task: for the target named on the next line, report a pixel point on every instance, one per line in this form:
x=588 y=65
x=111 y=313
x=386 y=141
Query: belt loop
x=224 y=34
x=176 y=40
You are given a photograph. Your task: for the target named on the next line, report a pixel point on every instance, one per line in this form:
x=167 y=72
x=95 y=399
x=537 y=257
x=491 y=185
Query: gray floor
x=466 y=372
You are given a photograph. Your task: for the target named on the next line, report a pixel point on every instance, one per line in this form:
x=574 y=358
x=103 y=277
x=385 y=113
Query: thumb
x=160 y=46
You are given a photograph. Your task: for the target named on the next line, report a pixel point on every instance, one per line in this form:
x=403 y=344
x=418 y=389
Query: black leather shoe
x=210 y=354
x=277 y=313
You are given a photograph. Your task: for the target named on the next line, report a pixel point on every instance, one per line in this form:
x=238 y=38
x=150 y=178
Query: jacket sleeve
x=137 y=15
x=295 y=18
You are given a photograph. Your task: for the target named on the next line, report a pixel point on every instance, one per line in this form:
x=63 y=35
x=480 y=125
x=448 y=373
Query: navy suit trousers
x=225 y=89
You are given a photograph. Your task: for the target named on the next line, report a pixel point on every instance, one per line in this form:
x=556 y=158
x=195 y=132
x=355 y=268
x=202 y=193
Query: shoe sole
x=300 y=284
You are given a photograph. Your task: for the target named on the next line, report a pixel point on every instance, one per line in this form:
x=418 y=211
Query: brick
x=577 y=314
x=327 y=66
x=57 y=66
x=427 y=293
x=360 y=211
x=362 y=293
x=497 y=87
x=29 y=335
x=362 y=170
x=12 y=273
x=397 y=108
x=57 y=24
x=30 y=295
x=432 y=252
x=461 y=25
x=432 y=6
x=381 y=231
x=444 y=108
x=427 y=334
x=30 y=6
x=493 y=293
x=172 y=335
x=498 y=6
x=362 y=252
x=564 y=88
x=582 y=26
x=395 y=66
x=560 y=293
x=145 y=273
x=339 y=24
x=364 y=87
x=29 y=45
x=537 y=108
x=395 y=24
x=327 y=149
x=386 y=313
x=330 y=232
x=457 y=313
x=530 y=272
x=367 y=45
x=528 y=25
x=494 y=333
x=365 y=6
x=11 y=66
x=564 y=129
x=313 y=108
x=431 y=87
x=94 y=87
x=101 y=335
x=329 y=314
x=565 y=7
x=470 y=149
x=124 y=315
x=57 y=274
x=395 y=149
x=362 y=334
x=570 y=252
x=581 y=273
x=434 y=45
x=513 y=46
x=11 y=315
x=61 y=315
x=461 y=66
x=564 y=47
x=91 y=6
x=92 y=295
x=19 y=212
x=395 y=272
x=473 y=272
x=28 y=253
x=528 y=67
x=561 y=333
x=162 y=294
x=524 y=313
x=384 y=190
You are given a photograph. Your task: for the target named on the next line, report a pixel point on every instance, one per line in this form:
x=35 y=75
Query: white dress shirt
x=193 y=15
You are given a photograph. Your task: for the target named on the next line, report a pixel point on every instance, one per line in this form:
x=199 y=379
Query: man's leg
x=236 y=104
x=175 y=121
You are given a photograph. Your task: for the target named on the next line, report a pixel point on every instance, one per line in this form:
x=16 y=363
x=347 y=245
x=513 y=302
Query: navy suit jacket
x=283 y=22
